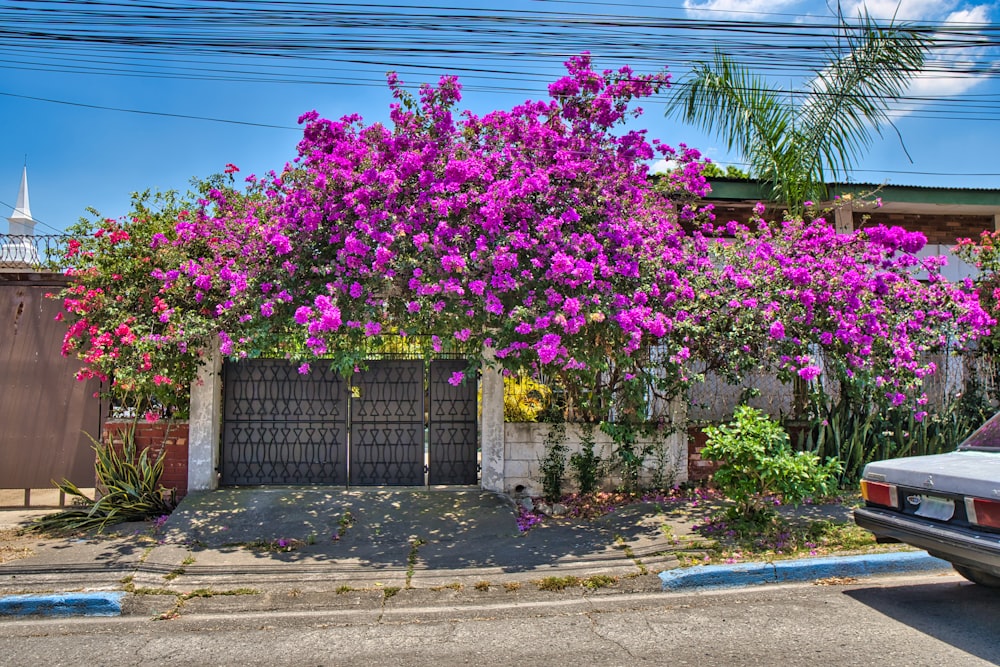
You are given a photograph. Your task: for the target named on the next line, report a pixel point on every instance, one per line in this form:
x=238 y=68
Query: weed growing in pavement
x=557 y=583
x=411 y=559
x=482 y=586
x=455 y=586
x=562 y=583
x=344 y=589
x=173 y=574
x=390 y=591
x=599 y=581
x=280 y=545
x=512 y=586
x=181 y=598
x=629 y=553
x=345 y=522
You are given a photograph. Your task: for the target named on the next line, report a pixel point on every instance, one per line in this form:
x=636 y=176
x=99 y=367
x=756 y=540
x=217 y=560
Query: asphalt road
x=912 y=620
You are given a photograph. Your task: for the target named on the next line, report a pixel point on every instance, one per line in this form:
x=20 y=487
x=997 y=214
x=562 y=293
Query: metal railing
x=34 y=253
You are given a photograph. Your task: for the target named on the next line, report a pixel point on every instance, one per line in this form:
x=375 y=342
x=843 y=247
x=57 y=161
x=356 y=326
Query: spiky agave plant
x=129 y=489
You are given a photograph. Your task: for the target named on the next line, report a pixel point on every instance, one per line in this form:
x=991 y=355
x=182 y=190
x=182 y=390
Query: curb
x=751 y=574
x=62 y=604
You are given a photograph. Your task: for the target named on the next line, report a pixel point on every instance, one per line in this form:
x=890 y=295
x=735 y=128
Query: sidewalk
x=298 y=545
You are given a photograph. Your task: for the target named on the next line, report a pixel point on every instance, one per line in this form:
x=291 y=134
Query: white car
x=947 y=504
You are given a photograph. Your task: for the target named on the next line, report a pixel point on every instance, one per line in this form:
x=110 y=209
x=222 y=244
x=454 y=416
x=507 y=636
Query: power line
x=10 y=206
x=150 y=113
x=502 y=50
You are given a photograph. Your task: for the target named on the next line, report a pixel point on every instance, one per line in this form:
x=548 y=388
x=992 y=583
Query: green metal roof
x=742 y=190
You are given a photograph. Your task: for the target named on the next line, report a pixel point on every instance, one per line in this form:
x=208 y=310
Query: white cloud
x=730 y=9
x=663 y=166
x=945 y=72
x=902 y=10
x=933 y=82
x=979 y=14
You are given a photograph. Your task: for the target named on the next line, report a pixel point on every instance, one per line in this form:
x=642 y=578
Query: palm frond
x=796 y=148
x=850 y=101
x=725 y=98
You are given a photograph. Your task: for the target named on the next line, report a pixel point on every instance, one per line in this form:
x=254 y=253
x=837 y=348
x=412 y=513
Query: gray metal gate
x=280 y=427
x=391 y=424
x=387 y=424
x=453 y=428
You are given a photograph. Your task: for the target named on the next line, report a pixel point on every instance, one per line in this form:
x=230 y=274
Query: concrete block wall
x=164 y=435
x=525 y=446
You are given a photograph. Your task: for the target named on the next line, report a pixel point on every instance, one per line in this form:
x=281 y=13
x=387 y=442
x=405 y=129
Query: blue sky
x=103 y=103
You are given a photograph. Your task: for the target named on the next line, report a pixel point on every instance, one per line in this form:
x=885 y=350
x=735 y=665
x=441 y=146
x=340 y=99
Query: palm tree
x=796 y=143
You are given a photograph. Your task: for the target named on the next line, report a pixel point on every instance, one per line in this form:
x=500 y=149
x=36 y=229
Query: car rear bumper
x=957 y=545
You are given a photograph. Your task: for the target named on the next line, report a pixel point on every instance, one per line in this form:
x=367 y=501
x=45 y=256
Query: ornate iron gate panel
x=387 y=424
x=453 y=426
x=280 y=427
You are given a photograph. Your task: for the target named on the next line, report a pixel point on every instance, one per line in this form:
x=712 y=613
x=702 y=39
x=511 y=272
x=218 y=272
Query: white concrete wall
x=524 y=447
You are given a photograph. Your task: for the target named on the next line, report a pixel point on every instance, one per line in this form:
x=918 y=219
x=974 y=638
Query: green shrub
x=131 y=490
x=553 y=466
x=586 y=464
x=757 y=462
x=628 y=454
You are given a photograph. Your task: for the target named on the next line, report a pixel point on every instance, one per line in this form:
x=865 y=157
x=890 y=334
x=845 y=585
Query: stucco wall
x=525 y=446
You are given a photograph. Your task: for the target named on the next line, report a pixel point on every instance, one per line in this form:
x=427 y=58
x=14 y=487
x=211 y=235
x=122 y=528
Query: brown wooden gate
x=44 y=411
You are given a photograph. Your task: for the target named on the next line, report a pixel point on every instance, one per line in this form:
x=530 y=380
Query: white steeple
x=18 y=251
x=21 y=222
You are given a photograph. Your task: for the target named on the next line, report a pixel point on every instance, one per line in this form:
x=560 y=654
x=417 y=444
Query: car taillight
x=879 y=493
x=983 y=512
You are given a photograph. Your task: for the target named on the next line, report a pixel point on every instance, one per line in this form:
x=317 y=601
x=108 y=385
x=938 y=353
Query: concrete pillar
x=205 y=424
x=492 y=461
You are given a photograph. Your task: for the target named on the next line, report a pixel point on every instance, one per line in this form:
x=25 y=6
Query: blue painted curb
x=750 y=574
x=62 y=604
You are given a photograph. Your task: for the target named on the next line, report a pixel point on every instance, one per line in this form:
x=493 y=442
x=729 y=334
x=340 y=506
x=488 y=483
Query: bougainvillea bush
x=141 y=339
x=532 y=231
x=860 y=307
x=984 y=254
x=536 y=233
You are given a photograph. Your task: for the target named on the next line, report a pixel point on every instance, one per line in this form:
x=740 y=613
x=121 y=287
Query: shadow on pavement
x=387 y=529
x=959 y=614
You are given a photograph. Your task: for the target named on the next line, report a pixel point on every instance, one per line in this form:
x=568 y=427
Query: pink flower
x=810 y=372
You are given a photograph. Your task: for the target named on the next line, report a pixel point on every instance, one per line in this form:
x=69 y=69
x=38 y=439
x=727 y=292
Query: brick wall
x=163 y=435
x=943 y=229
x=939 y=229
x=698 y=468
